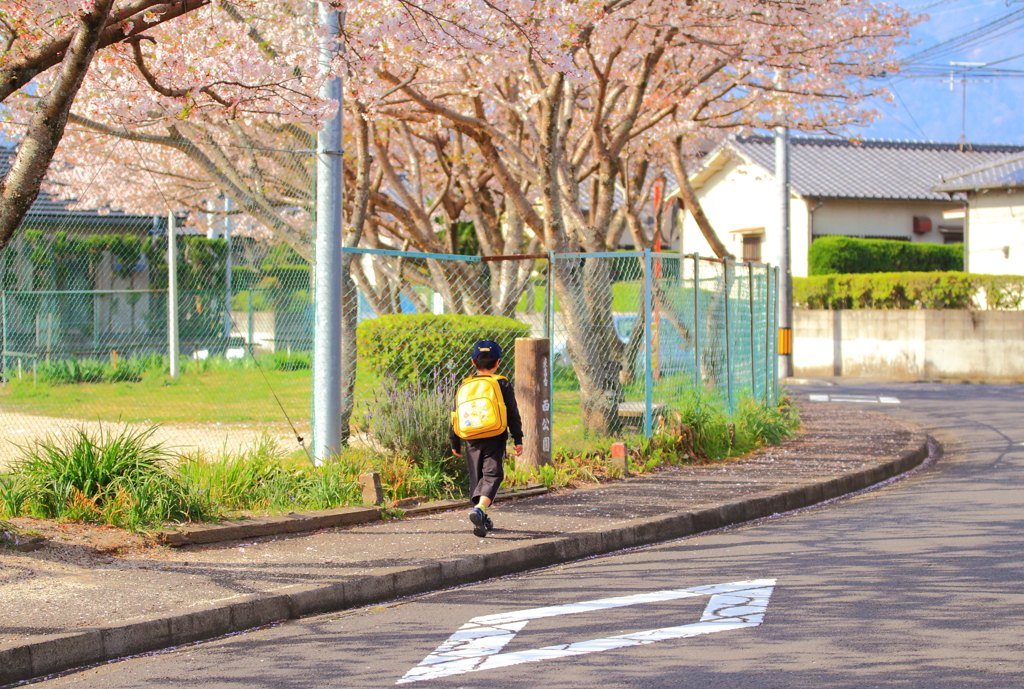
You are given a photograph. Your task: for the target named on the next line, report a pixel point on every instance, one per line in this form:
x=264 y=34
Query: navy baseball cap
x=488 y=347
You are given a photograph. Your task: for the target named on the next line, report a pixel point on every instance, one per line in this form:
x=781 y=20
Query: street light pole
x=327 y=255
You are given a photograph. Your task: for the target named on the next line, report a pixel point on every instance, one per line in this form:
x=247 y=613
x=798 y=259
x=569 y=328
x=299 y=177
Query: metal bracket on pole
x=648 y=362
x=173 y=347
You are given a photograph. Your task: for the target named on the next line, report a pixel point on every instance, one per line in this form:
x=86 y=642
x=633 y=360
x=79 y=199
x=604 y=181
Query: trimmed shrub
x=424 y=349
x=951 y=290
x=835 y=255
x=290 y=276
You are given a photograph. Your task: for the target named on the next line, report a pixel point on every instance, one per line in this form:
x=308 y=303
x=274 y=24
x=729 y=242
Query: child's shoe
x=488 y=524
x=480 y=522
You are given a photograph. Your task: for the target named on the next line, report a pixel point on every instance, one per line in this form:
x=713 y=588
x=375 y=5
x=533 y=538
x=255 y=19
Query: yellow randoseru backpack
x=479 y=408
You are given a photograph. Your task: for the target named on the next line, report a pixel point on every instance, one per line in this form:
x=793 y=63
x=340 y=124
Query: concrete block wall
x=910 y=345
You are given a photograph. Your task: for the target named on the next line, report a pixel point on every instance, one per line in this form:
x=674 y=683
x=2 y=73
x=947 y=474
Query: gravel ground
x=20 y=430
x=86 y=577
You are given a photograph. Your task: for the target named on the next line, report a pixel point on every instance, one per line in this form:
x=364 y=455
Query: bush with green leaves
x=264 y=478
x=413 y=421
x=287 y=360
x=950 y=290
x=421 y=349
x=838 y=255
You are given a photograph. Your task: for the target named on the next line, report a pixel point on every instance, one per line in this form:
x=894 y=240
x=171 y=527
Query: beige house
x=994 y=230
x=868 y=189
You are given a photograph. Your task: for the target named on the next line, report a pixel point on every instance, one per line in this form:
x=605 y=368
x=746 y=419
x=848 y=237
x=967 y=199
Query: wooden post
x=373 y=491
x=533 y=397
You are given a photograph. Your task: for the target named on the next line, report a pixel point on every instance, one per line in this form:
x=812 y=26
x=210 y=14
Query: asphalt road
x=917 y=584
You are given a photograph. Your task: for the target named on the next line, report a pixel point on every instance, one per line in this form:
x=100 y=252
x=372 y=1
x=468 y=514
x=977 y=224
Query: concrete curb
x=256 y=527
x=50 y=654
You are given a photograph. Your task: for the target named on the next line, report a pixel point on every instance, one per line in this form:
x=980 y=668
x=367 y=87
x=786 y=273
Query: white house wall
x=881 y=218
x=742 y=196
x=995 y=241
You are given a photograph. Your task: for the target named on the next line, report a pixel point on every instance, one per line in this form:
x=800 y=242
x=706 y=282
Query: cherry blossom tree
x=524 y=120
x=37 y=36
x=646 y=81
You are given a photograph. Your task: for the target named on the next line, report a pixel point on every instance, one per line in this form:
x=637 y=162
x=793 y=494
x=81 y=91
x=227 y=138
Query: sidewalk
x=66 y=604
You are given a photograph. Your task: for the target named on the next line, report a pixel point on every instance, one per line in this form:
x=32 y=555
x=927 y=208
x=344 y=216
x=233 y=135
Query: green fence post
x=753 y=358
x=775 y=340
x=549 y=332
x=698 y=377
x=252 y=347
x=648 y=363
x=728 y=345
x=549 y=301
x=769 y=321
x=3 y=324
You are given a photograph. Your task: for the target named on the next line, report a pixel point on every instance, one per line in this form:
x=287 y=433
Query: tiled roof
x=46 y=204
x=840 y=168
x=1003 y=173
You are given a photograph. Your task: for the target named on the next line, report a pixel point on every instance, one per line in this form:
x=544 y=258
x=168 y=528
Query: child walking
x=485 y=415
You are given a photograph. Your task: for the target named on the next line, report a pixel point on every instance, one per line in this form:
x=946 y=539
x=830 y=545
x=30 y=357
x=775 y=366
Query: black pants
x=486 y=461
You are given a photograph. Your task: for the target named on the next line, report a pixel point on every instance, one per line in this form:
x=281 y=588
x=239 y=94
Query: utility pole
x=965 y=68
x=785 y=255
x=327 y=254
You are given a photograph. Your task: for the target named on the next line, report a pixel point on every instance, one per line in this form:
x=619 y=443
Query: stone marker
x=620 y=458
x=373 y=492
x=533 y=395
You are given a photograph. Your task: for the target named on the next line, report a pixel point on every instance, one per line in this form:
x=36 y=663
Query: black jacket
x=515 y=424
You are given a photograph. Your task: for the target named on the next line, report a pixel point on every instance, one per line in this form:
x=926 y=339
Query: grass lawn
x=224 y=395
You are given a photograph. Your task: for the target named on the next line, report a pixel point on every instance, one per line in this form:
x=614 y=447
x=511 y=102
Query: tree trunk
x=688 y=201
x=585 y=294
x=20 y=187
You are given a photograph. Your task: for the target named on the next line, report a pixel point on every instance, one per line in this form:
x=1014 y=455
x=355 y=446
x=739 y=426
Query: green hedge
x=424 y=349
x=949 y=290
x=835 y=255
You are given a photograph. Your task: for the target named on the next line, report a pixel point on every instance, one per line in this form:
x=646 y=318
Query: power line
x=983 y=33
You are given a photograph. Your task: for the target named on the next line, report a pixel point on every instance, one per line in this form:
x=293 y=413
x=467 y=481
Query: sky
x=924 y=109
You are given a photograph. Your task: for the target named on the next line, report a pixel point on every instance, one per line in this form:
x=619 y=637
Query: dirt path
x=20 y=429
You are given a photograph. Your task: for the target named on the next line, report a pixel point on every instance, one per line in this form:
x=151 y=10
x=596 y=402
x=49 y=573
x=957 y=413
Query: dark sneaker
x=480 y=521
x=488 y=524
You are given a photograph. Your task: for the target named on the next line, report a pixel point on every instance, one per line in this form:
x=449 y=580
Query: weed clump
x=114 y=476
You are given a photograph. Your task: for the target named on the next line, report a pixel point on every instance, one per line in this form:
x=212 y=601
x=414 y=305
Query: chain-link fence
x=208 y=337
x=87 y=334
x=635 y=334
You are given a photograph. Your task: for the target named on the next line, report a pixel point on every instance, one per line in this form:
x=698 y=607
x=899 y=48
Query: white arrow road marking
x=477 y=644
x=860 y=399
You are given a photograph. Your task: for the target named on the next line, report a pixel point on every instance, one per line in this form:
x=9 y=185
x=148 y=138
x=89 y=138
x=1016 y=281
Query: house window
x=752 y=247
